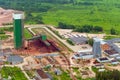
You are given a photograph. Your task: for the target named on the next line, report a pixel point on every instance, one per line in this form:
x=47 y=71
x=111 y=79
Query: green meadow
x=14 y=72
x=104 y=13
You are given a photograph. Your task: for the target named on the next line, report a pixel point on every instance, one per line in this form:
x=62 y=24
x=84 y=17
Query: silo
x=18 y=30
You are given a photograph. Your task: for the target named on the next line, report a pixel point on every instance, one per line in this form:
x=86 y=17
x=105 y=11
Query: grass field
x=4 y=37
x=14 y=72
x=111 y=37
x=3 y=30
x=63 y=76
x=66 y=76
x=27 y=34
x=30 y=73
x=103 y=13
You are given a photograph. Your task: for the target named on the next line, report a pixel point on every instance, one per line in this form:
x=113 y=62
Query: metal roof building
x=83 y=55
x=103 y=60
x=112 y=45
x=14 y=59
x=79 y=39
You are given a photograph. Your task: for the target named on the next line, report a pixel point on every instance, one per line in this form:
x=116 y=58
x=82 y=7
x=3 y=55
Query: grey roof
x=2 y=54
x=15 y=59
x=113 y=40
x=115 y=47
x=97 y=49
x=112 y=45
x=78 y=39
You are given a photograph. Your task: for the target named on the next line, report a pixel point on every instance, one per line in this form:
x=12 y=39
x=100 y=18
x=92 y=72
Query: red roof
x=42 y=74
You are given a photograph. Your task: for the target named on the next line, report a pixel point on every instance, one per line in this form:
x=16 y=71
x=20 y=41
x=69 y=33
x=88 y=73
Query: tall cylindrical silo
x=18 y=30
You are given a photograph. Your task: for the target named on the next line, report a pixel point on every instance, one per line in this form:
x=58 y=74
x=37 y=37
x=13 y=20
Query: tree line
x=84 y=28
x=108 y=75
x=89 y=29
x=30 y=6
x=33 y=20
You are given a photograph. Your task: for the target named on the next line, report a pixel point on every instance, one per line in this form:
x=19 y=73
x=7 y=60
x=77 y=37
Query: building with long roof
x=14 y=59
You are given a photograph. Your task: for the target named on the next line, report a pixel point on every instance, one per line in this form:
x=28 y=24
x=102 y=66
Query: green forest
x=103 y=13
x=108 y=75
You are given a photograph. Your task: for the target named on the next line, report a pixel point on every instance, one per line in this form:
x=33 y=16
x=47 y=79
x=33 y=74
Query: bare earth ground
x=5 y=16
x=9 y=42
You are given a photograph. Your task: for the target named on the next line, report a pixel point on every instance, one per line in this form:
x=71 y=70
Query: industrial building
x=78 y=39
x=97 y=51
x=18 y=29
x=111 y=53
x=112 y=45
x=99 y=65
x=103 y=60
x=114 y=62
x=113 y=50
x=35 y=45
x=41 y=75
x=14 y=59
x=83 y=55
x=117 y=57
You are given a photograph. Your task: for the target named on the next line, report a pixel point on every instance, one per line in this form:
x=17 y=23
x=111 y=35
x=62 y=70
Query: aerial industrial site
x=47 y=55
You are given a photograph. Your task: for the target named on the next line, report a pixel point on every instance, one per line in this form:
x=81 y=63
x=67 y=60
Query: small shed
x=58 y=72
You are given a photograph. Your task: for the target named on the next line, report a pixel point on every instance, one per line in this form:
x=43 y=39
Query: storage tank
x=18 y=30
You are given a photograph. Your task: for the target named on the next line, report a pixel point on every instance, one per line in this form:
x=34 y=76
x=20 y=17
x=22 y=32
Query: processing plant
x=37 y=44
x=18 y=30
